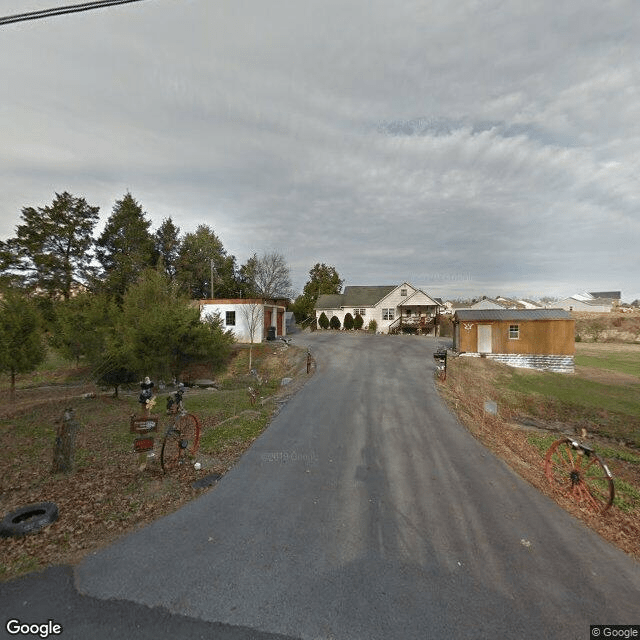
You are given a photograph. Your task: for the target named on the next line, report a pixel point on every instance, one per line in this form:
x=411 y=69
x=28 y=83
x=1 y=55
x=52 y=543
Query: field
x=598 y=405
x=107 y=494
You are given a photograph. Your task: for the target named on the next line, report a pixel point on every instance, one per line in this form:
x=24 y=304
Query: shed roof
x=512 y=314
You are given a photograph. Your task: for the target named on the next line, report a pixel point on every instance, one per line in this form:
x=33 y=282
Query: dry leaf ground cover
x=107 y=495
x=537 y=408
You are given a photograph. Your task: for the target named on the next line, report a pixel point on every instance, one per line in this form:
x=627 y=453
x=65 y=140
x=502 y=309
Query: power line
x=58 y=11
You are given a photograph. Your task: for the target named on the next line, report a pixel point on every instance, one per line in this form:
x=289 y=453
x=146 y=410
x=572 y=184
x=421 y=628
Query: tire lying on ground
x=28 y=519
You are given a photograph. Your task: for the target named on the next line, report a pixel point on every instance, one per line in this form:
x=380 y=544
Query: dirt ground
x=470 y=381
x=107 y=494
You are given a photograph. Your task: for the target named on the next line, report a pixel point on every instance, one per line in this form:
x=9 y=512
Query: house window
x=388 y=314
x=403 y=292
x=359 y=311
x=514 y=332
x=230 y=318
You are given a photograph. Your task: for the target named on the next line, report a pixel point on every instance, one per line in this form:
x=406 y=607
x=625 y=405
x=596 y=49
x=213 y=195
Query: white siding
x=391 y=302
x=241 y=328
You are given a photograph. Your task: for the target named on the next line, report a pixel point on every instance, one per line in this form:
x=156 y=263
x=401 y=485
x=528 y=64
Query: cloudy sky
x=469 y=147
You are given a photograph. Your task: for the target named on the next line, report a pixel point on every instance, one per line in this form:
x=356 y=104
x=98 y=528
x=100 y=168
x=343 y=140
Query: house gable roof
x=420 y=298
x=404 y=285
x=329 y=301
x=355 y=296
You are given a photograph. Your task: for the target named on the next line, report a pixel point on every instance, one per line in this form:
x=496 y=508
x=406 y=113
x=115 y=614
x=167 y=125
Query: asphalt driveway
x=366 y=511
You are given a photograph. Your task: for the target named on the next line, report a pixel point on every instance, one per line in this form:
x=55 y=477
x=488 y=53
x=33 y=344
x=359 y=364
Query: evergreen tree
x=163 y=331
x=52 y=251
x=323 y=279
x=348 y=322
x=22 y=346
x=323 y=321
x=125 y=247
x=167 y=247
x=81 y=326
x=203 y=268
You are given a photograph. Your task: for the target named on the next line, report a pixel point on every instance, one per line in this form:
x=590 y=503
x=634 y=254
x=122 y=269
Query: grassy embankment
x=602 y=399
x=107 y=495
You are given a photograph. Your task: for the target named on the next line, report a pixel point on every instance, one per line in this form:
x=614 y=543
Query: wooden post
x=65 y=443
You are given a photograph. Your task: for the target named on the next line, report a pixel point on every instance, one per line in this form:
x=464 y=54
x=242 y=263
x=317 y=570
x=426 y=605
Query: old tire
x=28 y=519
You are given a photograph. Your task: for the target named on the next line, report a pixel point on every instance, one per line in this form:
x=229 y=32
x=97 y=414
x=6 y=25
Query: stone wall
x=559 y=364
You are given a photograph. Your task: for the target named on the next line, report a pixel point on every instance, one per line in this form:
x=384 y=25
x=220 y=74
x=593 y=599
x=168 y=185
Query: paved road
x=366 y=511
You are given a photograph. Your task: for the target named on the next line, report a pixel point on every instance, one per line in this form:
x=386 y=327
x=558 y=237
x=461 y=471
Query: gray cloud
x=469 y=147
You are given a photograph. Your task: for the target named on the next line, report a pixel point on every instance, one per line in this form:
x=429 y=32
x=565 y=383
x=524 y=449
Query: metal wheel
x=180 y=442
x=579 y=472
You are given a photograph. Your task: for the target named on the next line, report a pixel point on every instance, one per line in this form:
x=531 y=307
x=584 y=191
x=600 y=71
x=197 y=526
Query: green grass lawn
x=578 y=391
x=623 y=362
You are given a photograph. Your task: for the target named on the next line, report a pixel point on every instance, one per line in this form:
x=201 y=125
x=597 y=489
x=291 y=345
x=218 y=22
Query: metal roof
x=512 y=314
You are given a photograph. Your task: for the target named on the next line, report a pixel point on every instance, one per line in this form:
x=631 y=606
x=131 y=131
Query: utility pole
x=212 y=268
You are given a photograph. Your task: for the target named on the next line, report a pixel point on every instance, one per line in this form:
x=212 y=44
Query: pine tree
x=22 y=346
x=125 y=247
x=53 y=248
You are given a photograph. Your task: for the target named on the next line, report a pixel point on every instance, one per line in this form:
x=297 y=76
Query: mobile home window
x=514 y=331
x=387 y=314
x=230 y=318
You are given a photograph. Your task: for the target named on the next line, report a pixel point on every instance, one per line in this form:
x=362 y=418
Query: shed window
x=514 y=332
x=387 y=314
x=230 y=318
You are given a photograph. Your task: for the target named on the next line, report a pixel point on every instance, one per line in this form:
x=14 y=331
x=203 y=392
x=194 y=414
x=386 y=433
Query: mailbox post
x=440 y=356
x=145 y=424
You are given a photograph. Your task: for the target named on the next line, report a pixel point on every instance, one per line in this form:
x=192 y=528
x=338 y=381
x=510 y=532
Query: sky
x=469 y=148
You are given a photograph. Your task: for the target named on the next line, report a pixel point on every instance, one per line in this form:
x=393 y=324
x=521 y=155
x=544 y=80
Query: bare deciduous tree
x=269 y=275
x=252 y=314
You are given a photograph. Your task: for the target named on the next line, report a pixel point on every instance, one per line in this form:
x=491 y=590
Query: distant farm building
x=528 y=338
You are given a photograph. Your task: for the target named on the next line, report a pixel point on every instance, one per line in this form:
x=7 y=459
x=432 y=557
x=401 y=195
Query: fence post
x=65 y=443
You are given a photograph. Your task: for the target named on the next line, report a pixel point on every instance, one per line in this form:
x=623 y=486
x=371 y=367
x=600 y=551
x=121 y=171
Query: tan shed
x=530 y=338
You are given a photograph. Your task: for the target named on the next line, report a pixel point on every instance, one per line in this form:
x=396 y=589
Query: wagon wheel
x=578 y=471
x=180 y=442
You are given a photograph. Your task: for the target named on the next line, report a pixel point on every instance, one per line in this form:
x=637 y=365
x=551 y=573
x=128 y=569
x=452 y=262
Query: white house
x=246 y=316
x=394 y=308
x=579 y=303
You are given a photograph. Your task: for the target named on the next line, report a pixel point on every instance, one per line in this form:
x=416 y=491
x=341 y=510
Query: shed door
x=484 y=338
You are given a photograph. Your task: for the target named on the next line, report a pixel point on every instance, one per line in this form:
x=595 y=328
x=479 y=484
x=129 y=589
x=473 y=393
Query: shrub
x=334 y=323
x=323 y=321
x=373 y=326
x=358 y=321
x=348 y=322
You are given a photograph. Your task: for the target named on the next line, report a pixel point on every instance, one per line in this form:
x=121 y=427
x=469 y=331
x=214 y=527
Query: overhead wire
x=57 y=11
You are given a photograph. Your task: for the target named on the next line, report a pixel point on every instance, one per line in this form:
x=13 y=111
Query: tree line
x=56 y=254
x=120 y=302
